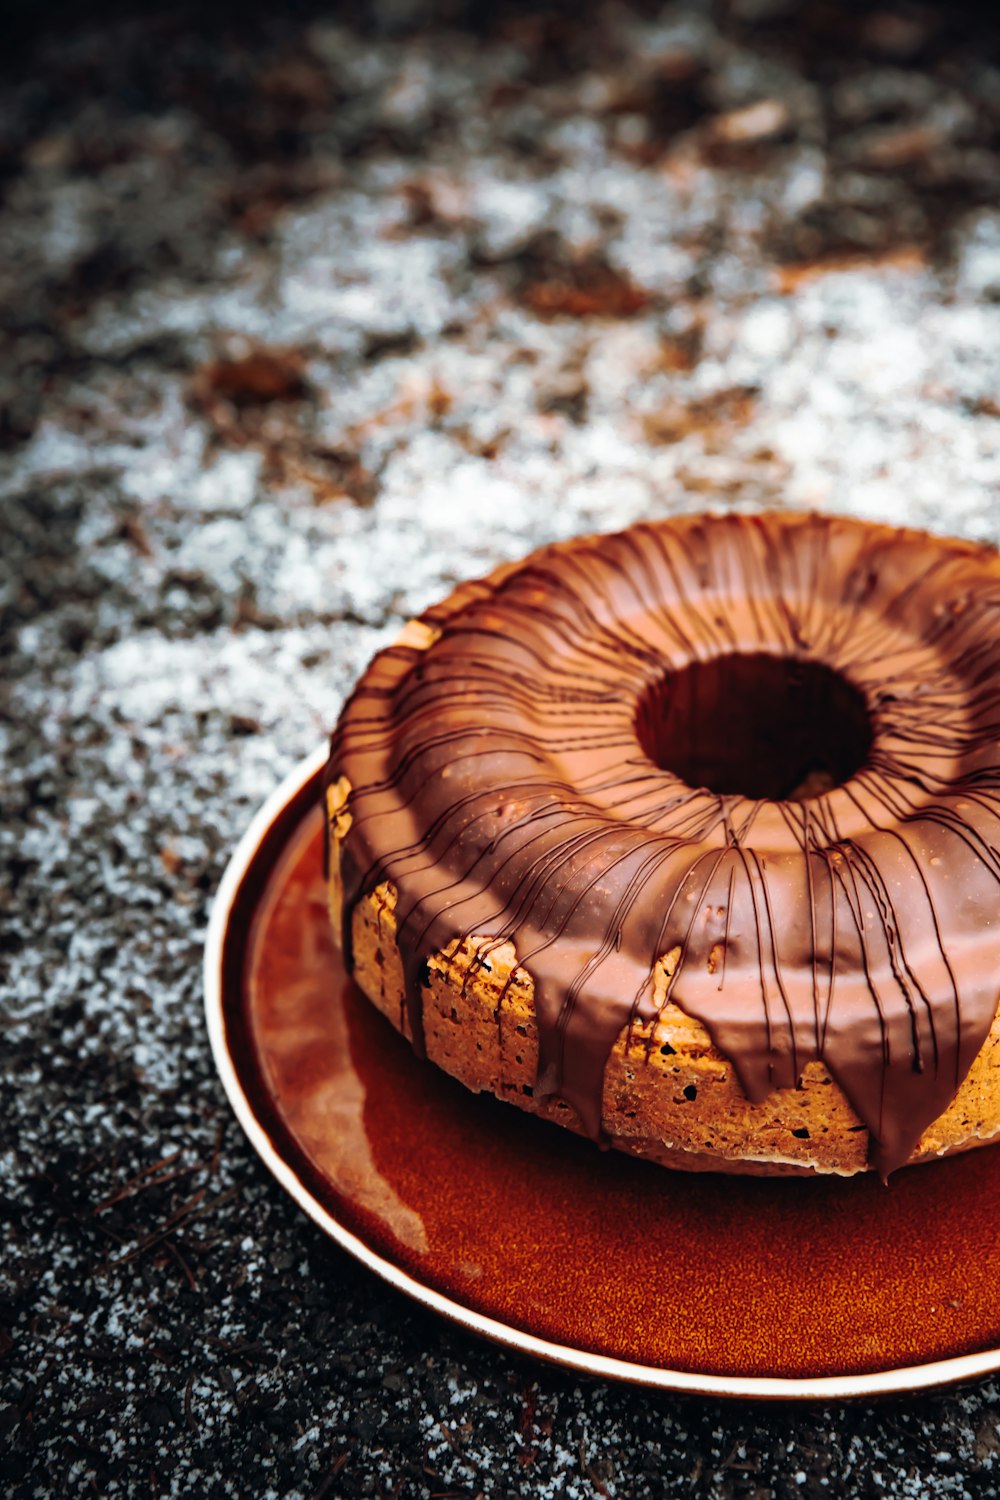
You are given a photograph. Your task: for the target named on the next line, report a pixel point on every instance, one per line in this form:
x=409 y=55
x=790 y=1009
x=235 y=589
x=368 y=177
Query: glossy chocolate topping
x=830 y=868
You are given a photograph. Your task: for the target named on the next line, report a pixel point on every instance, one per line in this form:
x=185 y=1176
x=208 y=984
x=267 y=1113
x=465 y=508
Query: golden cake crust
x=669 y=1095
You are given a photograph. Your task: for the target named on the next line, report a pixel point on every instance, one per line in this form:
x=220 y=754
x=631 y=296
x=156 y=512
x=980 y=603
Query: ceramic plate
x=518 y=1230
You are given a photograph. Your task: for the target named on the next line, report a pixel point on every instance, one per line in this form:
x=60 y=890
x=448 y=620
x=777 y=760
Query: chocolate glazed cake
x=689 y=838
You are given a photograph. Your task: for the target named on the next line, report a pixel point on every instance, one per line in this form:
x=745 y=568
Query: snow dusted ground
x=303 y=319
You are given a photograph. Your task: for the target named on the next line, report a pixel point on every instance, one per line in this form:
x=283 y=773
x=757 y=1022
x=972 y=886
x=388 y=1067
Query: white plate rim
x=905 y=1379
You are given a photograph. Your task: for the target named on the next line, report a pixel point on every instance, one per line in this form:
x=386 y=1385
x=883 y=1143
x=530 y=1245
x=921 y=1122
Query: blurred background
x=307 y=312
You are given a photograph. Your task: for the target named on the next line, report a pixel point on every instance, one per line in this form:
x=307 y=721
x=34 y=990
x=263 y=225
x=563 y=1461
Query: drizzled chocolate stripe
x=499 y=781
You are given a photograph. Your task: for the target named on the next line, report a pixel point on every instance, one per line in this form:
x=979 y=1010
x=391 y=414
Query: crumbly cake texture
x=669 y=1095
x=669 y=1092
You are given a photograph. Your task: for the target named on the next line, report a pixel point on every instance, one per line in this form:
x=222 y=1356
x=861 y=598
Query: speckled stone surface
x=305 y=317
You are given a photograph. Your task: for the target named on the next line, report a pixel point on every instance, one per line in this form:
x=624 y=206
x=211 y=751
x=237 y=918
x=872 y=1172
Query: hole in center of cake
x=757 y=726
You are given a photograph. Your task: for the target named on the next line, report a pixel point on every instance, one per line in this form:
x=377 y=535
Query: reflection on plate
x=520 y=1231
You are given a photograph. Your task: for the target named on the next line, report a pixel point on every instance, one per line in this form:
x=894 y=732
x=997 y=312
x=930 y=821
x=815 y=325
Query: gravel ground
x=305 y=317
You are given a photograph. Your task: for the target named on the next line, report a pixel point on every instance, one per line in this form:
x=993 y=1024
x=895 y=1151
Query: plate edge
x=904 y=1380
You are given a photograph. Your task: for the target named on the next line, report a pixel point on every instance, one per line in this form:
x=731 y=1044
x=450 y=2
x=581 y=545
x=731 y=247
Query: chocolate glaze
x=499 y=782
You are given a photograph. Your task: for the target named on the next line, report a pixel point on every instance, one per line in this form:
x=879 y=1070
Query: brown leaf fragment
x=711 y=416
x=790 y=277
x=897 y=147
x=439 y=400
x=587 y=289
x=332 y=473
x=134 y=532
x=261 y=375
x=760 y=121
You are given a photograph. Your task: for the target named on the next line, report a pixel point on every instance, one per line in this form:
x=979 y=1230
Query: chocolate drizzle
x=499 y=781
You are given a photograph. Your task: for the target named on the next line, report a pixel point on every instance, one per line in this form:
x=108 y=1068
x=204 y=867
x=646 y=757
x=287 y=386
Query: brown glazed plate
x=754 y=1287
